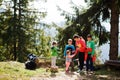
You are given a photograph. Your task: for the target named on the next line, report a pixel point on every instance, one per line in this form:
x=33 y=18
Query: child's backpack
x=31 y=65
x=32 y=57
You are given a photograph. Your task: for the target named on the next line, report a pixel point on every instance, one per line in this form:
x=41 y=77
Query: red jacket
x=80 y=45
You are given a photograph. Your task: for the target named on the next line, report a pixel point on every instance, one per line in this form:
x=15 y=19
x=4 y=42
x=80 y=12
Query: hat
x=76 y=36
x=69 y=39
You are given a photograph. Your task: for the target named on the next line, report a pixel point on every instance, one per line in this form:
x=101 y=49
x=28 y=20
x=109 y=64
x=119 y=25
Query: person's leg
x=81 y=60
x=79 y=57
x=87 y=62
x=55 y=61
x=67 y=65
x=52 y=61
x=91 y=64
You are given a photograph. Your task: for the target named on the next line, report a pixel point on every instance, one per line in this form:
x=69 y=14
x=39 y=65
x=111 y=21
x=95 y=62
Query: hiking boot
x=91 y=72
x=79 y=71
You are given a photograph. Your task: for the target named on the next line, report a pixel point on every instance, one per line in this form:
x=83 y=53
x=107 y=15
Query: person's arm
x=76 y=51
x=83 y=45
x=65 y=50
x=93 y=48
x=73 y=49
x=71 y=56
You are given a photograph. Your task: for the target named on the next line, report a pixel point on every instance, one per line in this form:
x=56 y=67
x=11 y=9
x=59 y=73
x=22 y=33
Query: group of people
x=83 y=49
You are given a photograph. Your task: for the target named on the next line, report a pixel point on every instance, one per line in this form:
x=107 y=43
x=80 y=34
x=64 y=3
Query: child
x=90 y=45
x=70 y=47
x=54 y=54
x=68 y=59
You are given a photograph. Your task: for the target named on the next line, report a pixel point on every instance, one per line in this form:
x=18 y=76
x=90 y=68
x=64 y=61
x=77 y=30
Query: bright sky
x=53 y=14
x=51 y=7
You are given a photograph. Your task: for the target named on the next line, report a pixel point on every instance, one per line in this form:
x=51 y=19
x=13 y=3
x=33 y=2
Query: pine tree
x=17 y=29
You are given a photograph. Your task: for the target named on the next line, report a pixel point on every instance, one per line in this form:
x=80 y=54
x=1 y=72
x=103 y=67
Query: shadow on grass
x=104 y=73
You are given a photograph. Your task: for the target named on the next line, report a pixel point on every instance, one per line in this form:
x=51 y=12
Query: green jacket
x=91 y=44
x=54 y=51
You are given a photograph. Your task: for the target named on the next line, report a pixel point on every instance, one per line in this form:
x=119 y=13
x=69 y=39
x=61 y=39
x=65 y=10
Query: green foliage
x=86 y=21
x=40 y=43
x=108 y=10
x=18 y=33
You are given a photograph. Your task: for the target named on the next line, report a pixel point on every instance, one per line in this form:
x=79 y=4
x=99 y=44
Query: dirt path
x=60 y=76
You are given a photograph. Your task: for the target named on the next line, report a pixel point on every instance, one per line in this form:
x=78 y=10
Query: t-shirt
x=69 y=57
x=54 y=51
x=69 y=47
x=91 y=44
x=80 y=45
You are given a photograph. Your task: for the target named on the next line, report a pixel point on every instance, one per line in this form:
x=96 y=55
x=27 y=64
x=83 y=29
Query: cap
x=69 y=39
x=76 y=36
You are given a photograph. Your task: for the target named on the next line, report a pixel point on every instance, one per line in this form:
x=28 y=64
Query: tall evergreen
x=89 y=21
x=17 y=27
x=110 y=9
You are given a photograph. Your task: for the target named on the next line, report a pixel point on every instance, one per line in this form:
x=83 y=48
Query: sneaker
x=91 y=72
x=79 y=71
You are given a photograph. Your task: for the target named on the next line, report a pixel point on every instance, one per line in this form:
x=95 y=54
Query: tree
x=89 y=21
x=115 y=9
x=112 y=8
x=84 y=22
x=17 y=28
x=6 y=31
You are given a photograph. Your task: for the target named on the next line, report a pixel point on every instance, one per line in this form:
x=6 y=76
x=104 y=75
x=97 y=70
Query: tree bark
x=113 y=55
x=14 y=34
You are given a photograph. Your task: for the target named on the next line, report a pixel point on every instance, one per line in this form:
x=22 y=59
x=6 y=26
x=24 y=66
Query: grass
x=107 y=74
x=15 y=70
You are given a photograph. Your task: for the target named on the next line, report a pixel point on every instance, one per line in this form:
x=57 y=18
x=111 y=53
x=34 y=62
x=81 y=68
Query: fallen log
x=113 y=64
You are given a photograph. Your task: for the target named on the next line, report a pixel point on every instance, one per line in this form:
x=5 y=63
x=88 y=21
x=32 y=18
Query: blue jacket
x=69 y=47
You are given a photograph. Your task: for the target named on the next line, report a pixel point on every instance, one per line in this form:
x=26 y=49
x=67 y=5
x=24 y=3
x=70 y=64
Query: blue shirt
x=69 y=47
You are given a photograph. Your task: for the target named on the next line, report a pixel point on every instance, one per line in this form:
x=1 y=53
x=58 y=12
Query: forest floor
x=16 y=71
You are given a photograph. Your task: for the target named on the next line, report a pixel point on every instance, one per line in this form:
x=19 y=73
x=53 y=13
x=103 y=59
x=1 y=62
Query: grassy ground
x=16 y=71
x=105 y=73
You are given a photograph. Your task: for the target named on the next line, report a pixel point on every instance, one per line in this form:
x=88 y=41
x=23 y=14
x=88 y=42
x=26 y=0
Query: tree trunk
x=113 y=55
x=20 y=37
x=14 y=34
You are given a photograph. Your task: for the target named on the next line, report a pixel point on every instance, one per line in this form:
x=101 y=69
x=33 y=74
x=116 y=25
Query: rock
x=54 y=69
